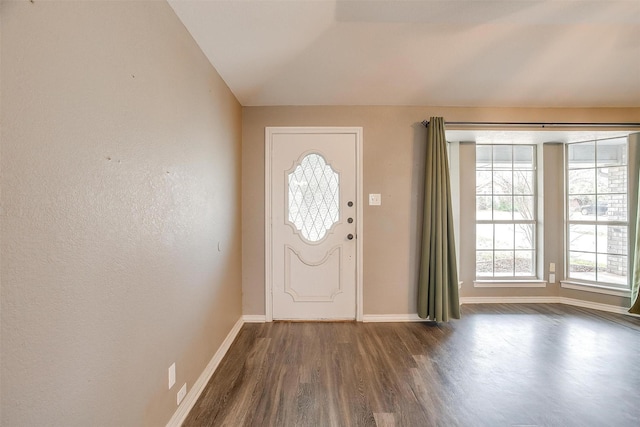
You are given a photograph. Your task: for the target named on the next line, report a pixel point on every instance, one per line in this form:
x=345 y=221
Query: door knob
x=349 y=220
x=350 y=236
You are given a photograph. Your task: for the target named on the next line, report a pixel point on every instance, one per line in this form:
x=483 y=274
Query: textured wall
x=120 y=175
x=393 y=166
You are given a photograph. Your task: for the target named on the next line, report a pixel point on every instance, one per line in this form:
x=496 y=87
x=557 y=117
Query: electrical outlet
x=182 y=393
x=375 y=199
x=552 y=278
x=552 y=267
x=172 y=375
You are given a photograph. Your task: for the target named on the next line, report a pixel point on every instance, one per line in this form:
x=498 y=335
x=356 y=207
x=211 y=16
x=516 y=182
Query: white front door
x=313 y=221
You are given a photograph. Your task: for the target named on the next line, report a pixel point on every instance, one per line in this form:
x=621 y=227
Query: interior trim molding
x=509 y=300
x=510 y=283
x=547 y=300
x=382 y=318
x=196 y=390
x=597 y=306
x=567 y=284
x=254 y=318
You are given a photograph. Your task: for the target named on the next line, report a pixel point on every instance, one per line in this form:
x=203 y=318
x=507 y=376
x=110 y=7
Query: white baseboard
x=597 y=306
x=547 y=300
x=190 y=399
x=370 y=318
x=254 y=318
x=509 y=300
x=367 y=318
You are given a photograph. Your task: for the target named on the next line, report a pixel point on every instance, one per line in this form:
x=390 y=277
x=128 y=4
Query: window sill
x=600 y=289
x=531 y=283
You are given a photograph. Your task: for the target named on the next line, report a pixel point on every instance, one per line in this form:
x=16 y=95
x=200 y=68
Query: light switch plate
x=552 y=267
x=552 y=278
x=375 y=199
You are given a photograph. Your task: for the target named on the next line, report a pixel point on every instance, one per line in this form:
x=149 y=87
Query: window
x=506 y=212
x=597 y=223
x=314 y=193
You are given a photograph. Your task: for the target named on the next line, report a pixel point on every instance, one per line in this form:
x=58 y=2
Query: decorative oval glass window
x=314 y=189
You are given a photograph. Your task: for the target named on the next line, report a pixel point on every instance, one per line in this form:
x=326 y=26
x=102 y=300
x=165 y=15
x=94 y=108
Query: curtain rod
x=541 y=124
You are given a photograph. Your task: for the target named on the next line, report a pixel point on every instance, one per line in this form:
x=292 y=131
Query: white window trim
x=516 y=282
x=592 y=287
x=536 y=283
x=600 y=287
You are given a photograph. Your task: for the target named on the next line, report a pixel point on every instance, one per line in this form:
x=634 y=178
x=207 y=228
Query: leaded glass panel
x=314 y=195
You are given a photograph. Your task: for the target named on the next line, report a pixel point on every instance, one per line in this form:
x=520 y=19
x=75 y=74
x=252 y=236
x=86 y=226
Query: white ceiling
x=518 y=53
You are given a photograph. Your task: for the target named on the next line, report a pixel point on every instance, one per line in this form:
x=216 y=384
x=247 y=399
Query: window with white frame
x=506 y=219
x=597 y=223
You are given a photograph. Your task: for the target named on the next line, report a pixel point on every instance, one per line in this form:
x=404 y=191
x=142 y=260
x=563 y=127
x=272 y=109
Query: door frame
x=270 y=131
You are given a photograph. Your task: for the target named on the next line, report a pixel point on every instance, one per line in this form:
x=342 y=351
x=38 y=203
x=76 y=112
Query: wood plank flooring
x=500 y=365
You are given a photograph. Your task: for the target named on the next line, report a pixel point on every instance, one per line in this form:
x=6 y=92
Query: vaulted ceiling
x=518 y=53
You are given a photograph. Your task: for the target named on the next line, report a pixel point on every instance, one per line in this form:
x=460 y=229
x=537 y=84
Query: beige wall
x=393 y=166
x=120 y=176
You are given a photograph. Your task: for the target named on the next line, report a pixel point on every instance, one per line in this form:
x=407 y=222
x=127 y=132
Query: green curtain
x=635 y=262
x=634 y=220
x=438 y=280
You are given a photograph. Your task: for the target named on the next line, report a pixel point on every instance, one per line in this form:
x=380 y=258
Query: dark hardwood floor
x=500 y=365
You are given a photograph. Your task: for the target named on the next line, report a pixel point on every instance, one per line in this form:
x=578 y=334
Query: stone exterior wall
x=616 y=211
